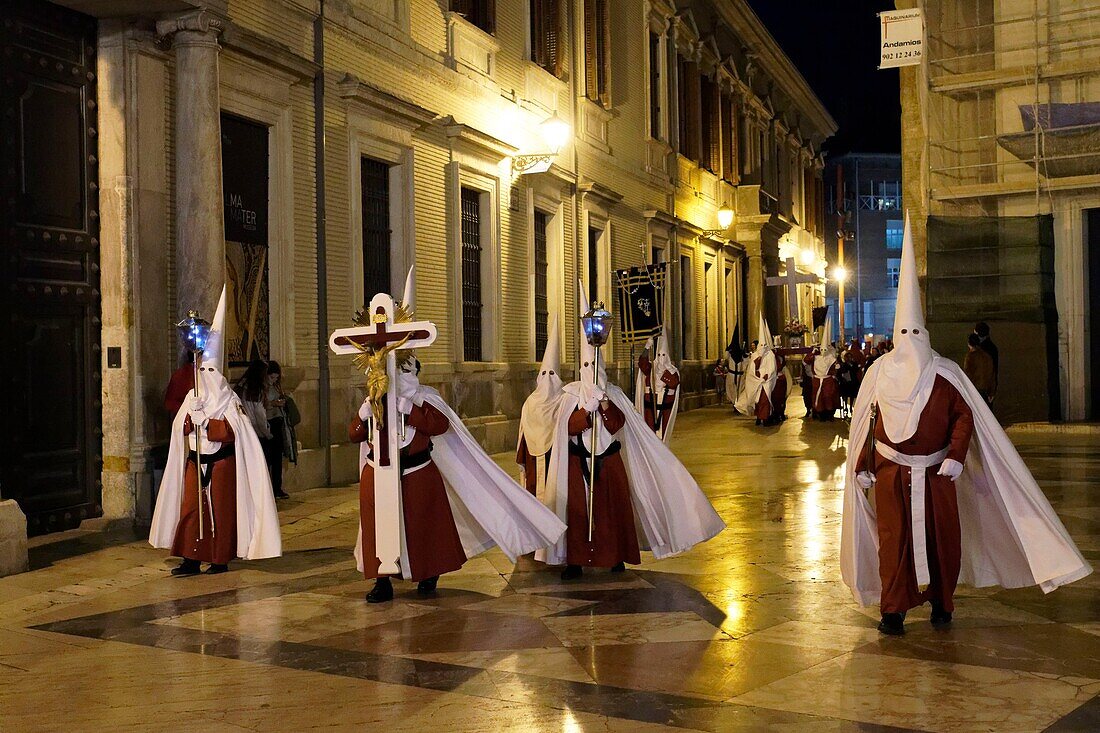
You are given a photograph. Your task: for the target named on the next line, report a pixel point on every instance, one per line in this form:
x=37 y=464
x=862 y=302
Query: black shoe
x=757 y=421
x=940 y=618
x=216 y=569
x=281 y=495
x=426 y=587
x=382 y=591
x=892 y=624
x=187 y=567
x=620 y=568
x=571 y=572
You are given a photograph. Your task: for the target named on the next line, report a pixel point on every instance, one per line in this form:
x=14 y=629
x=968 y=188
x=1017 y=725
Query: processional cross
x=387 y=328
x=791 y=280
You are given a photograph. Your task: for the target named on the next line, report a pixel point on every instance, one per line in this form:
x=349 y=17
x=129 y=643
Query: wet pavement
x=752 y=631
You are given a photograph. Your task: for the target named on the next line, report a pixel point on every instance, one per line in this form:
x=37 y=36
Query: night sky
x=835 y=45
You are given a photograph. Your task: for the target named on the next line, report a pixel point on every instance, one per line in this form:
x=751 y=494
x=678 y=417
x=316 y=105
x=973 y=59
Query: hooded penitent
x=671 y=511
x=539 y=415
x=661 y=365
x=759 y=380
x=824 y=361
x=488 y=506
x=1011 y=536
x=257 y=519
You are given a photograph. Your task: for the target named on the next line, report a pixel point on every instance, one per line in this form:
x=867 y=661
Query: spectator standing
x=981 y=330
x=283 y=442
x=978 y=365
x=252 y=389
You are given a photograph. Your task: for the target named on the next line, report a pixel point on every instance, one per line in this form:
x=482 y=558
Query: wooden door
x=51 y=437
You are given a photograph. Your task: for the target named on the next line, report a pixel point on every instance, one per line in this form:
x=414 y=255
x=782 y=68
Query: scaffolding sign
x=901 y=38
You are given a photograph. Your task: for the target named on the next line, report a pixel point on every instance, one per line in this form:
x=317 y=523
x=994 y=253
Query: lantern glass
x=597 y=325
x=555 y=131
x=194 y=332
x=725 y=217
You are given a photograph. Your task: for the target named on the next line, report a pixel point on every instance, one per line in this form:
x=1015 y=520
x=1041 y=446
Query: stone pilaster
x=200 y=243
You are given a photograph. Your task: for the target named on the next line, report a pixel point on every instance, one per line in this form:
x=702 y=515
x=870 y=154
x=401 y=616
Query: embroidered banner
x=641 y=301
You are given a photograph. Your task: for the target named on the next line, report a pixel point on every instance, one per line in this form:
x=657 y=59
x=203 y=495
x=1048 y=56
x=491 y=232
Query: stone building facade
x=1000 y=174
x=309 y=151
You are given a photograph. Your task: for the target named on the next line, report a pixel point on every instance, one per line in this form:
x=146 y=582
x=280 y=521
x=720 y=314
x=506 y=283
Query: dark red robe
x=670 y=383
x=530 y=464
x=431 y=536
x=826 y=390
x=219 y=542
x=946 y=422
x=614 y=536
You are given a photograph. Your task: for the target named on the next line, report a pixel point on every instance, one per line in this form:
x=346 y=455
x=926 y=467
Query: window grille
x=471 y=275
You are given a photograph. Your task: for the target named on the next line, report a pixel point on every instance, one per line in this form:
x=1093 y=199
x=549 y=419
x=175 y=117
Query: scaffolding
x=1012 y=103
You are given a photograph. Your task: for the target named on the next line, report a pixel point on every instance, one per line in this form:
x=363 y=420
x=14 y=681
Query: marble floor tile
x=636 y=628
x=1054 y=649
x=530 y=604
x=558 y=663
x=925 y=695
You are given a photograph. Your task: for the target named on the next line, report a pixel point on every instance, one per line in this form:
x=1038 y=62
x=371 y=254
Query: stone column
x=755 y=292
x=200 y=231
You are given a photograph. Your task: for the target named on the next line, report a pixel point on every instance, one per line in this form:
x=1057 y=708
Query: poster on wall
x=245 y=189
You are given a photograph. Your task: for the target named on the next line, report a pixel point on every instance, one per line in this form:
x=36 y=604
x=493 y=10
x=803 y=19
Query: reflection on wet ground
x=752 y=631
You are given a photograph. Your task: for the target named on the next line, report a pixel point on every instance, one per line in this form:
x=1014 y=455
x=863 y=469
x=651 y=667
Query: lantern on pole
x=597 y=329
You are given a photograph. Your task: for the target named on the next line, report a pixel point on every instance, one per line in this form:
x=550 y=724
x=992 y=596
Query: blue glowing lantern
x=597 y=325
x=195 y=332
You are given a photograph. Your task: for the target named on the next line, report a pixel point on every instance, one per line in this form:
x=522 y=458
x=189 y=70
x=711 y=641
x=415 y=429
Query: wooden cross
x=791 y=280
x=385 y=440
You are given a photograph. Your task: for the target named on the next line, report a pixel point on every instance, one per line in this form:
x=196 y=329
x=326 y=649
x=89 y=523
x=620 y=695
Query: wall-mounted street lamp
x=840 y=274
x=808 y=257
x=725 y=220
x=555 y=133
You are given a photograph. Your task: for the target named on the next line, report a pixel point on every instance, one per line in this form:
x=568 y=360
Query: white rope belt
x=918 y=466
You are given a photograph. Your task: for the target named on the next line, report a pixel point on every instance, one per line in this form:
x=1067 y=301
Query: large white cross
x=791 y=280
x=385 y=441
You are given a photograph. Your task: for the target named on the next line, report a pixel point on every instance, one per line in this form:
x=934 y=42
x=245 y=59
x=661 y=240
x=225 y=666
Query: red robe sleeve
x=357 y=431
x=428 y=420
x=962 y=427
x=522 y=454
x=216 y=430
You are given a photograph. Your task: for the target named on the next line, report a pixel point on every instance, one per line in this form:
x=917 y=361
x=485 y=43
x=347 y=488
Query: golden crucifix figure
x=373 y=361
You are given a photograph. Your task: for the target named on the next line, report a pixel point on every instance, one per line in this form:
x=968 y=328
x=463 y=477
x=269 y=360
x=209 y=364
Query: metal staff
x=195 y=332
x=597 y=328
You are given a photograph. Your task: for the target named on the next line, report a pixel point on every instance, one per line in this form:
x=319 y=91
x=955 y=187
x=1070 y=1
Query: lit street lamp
x=725 y=220
x=555 y=133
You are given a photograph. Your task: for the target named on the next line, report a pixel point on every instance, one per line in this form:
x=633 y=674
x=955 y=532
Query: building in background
x=307 y=153
x=999 y=137
x=872 y=256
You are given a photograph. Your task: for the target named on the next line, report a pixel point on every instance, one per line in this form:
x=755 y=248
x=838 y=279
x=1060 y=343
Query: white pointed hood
x=590 y=380
x=662 y=362
x=539 y=415
x=906 y=374
x=408 y=381
x=408 y=299
x=213 y=388
x=825 y=360
x=764 y=337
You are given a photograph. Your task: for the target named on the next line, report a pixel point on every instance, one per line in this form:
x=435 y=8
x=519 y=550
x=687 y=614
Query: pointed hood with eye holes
x=213 y=388
x=590 y=382
x=540 y=411
x=907 y=373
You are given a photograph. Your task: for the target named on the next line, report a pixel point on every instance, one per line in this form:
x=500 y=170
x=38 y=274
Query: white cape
x=258 y=534
x=488 y=506
x=640 y=393
x=733 y=380
x=671 y=511
x=1011 y=536
x=754 y=386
